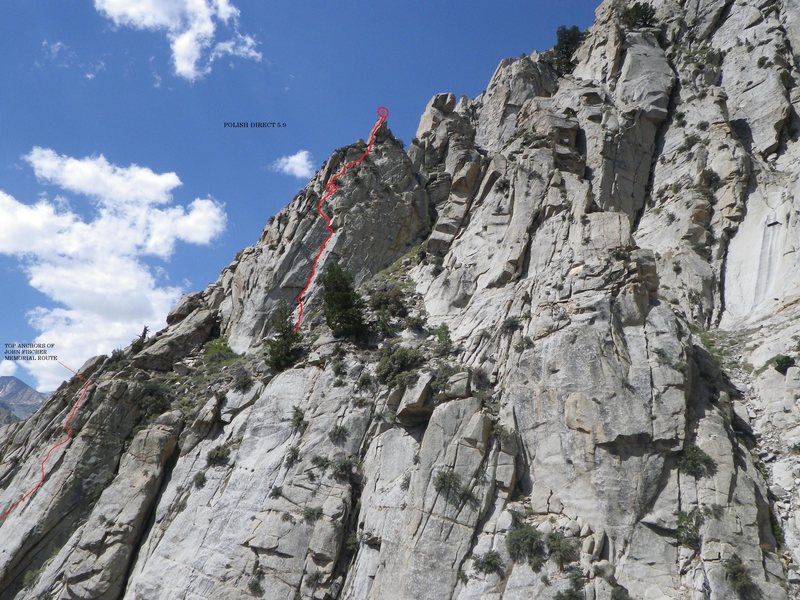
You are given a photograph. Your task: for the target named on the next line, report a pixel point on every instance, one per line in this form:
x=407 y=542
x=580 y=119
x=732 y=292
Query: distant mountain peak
x=18 y=398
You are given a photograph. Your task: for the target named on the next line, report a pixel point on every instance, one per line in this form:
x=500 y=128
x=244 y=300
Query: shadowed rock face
x=613 y=254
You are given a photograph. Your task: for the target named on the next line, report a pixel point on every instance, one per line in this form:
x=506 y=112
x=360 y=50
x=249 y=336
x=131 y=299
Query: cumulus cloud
x=7 y=368
x=93 y=269
x=98 y=178
x=298 y=164
x=192 y=27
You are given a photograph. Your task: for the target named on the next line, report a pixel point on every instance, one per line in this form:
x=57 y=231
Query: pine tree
x=568 y=40
x=344 y=308
x=639 y=15
x=283 y=349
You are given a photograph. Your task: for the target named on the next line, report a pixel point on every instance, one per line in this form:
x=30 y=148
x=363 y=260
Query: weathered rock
x=614 y=255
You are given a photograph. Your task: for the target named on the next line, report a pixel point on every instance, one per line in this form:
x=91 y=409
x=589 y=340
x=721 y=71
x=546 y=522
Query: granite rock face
x=601 y=278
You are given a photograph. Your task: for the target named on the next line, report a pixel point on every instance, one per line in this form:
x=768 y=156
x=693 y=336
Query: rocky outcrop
x=18 y=398
x=589 y=391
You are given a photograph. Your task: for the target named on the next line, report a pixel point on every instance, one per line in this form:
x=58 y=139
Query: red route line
x=70 y=434
x=331 y=189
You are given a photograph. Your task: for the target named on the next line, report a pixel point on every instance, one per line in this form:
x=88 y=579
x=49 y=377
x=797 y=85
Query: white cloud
x=60 y=55
x=57 y=52
x=298 y=164
x=92 y=70
x=93 y=269
x=7 y=368
x=97 y=178
x=191 y=27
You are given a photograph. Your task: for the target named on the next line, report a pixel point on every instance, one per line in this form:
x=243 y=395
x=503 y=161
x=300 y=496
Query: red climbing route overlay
x=330 y=189
x=52 y=449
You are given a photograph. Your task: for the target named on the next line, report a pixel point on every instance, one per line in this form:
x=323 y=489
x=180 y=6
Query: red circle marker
x=383 y=112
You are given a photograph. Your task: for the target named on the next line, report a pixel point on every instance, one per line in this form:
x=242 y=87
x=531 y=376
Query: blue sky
x=110 y=77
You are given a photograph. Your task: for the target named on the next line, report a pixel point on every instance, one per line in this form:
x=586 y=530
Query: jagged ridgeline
x=567 y=322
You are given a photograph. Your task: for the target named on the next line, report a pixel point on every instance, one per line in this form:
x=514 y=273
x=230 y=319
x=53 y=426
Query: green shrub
x=155 y=399
x=448 y=483
x=321 y=462
x=525 y=544
x=337 y=364
x=688 y=531
x=568 y=40
x=338 y=434
x=315 y=578
x=444 y=345
x=344 y=308
x=693 y=461
x=689 y=142
x=292 y=456
x=396 y=362
x=312 y=514
x=415 y=323
x=489 y=563
x=218 y=456
x=137 y=345
x=242 y=381
x=365 y=381
x=298 y=420
x=283 y=348
x=276 y=492
x=218 y=351
x=638 y=15
x=116 y=355
x=620 y=254
x=388 y=297
x=740 y=580
x=384 y=324
x=570 y=594
x=344 y=467
x=781 y=363
x=510 y=325
x=439 y=382
x=31 y=577
x=562 y=550
x=199 y=479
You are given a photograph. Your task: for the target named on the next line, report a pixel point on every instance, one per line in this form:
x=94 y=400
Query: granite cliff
x=611 y=411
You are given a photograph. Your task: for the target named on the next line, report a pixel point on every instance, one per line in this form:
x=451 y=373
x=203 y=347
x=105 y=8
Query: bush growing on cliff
x=739 y=578
x=283 y=348
x=388 y=297
x=242 y=381
x=562 y=549
x=344 y=307
x=444 y=344
x=688 y=531
x=524 y=543
x=568 y=40
x=218 y=456
x=693 y=461
x=491 y=562
x=396 y=363
x=155 y=399
x=218 y=351
x=448 y=483
x=638 y=15
x=338 y=434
